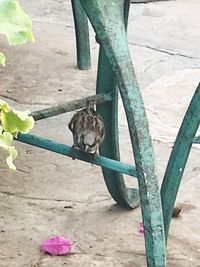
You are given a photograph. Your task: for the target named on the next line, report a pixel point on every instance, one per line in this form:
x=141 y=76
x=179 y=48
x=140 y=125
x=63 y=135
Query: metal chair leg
x=82 y=36
x=178 y=158
x=106 y=83
x=107 y=19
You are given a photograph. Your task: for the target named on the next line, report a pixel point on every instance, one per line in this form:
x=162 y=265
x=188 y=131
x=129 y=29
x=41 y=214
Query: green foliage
x=6 y=139
x=12 y=122
x=14 y=24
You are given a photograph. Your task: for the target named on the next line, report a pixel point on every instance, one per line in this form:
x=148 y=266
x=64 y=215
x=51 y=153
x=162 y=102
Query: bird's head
x=90 y=104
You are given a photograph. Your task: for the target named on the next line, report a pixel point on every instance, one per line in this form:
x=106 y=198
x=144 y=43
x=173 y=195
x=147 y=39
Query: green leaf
x=2 y=59
x=6 y=144
x=12 y=155
x=5 y=138
x=14 y=23
x=4 y=106
x=14 y=121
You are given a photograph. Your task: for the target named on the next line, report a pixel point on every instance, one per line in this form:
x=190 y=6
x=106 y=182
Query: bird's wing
x=101 y=127
x=71 y=124
x=77 y=117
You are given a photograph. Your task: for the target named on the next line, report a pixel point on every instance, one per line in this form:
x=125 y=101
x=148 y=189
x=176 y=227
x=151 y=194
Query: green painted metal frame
x=178 y=158
x=106 y=83
x=82 y=36
x=70 y=106
x=107 y=19
x=66 y=151
x=116 y=73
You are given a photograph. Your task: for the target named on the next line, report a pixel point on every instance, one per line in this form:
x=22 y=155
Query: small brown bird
x=88 y=129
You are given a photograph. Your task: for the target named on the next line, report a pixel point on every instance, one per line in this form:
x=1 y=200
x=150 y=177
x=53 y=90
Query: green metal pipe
x=107 y=18
x=69 y=106
x=66 y=150
x=82 y=36
x=106 y=82
x=178 y=158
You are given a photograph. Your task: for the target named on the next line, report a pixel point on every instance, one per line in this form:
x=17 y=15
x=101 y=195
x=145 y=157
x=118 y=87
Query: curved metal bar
x=106 y=83
x=178 y=158
x=107 y=18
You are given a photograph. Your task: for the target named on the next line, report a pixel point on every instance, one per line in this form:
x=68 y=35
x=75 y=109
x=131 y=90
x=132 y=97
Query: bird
x=87 y=127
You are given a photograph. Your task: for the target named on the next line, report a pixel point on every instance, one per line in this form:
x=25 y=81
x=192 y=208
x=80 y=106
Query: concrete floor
x=50 y=194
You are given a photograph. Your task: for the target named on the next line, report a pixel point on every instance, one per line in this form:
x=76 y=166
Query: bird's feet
x=94 y=156
x=71 y=153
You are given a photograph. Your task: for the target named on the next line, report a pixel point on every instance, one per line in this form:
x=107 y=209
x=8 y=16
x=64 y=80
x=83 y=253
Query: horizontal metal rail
x=69 y=106
x=197 y=140
x=66 y=150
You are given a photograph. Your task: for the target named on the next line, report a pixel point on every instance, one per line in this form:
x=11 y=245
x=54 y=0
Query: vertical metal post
x=82 y=36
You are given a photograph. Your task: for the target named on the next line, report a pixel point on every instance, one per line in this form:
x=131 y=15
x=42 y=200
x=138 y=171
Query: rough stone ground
x=53 y=195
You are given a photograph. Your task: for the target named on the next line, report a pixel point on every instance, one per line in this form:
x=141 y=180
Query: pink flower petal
x=57 y=245
x=141 y=228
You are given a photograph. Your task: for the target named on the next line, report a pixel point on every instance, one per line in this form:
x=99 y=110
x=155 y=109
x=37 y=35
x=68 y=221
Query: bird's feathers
x=88 y=129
